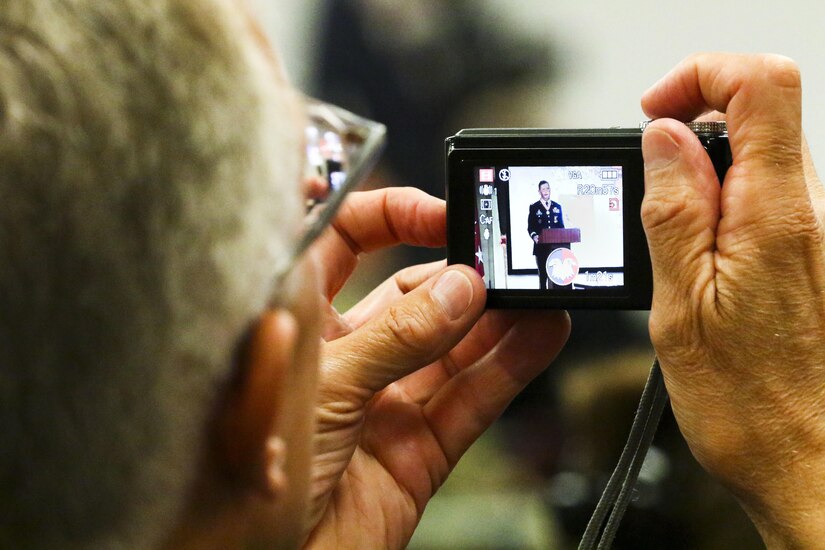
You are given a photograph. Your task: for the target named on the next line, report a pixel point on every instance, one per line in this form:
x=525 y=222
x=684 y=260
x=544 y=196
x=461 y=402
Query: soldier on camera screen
x=544 y=214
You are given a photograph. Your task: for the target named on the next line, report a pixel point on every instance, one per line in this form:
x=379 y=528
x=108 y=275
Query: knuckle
x=700 y=59
x=695 y=59
x=411 y=329
x=780 y=71
x=673 y=335
x=662 y=330
x=662 y=209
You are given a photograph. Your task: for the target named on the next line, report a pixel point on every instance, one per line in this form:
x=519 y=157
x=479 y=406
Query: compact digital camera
x=551 y=218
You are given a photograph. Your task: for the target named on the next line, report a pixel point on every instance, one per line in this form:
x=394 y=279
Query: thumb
x=420 y=327
x=680 y=212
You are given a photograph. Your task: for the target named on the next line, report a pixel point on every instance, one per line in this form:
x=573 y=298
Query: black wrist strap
x=619 y=489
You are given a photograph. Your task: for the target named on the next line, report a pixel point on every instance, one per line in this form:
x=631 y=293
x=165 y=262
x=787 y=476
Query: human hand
x=738 y=315
x=411 y=376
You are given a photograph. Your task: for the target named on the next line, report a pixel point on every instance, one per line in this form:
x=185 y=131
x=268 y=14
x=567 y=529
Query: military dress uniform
x=544 y=217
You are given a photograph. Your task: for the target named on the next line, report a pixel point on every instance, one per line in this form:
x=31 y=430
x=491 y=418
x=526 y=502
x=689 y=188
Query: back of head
x=139 y=222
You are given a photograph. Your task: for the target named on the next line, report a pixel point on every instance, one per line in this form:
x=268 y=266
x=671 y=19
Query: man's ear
x=249 y=445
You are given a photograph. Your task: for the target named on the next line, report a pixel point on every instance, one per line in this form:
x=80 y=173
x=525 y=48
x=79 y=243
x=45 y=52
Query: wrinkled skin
x=738 y=314
x=410 y=376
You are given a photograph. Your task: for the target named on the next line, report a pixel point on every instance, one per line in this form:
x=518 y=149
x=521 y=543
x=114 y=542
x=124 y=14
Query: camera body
x=551 y=218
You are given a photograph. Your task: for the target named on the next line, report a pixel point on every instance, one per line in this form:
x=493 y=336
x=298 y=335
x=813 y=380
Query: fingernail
x=658 y=149
x=454 y=292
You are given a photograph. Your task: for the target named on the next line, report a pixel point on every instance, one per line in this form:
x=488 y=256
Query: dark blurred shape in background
x=417 y=66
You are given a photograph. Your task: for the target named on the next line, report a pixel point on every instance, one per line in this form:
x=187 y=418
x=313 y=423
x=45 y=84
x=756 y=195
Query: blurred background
x=428 y=68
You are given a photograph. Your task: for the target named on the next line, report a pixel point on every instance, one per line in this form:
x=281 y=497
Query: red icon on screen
x=613 y=204
x=486 y=175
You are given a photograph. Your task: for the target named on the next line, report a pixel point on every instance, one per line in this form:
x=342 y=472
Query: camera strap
x=619 y=490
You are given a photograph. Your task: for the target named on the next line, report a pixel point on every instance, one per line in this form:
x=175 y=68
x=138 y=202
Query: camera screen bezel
x=553 y=151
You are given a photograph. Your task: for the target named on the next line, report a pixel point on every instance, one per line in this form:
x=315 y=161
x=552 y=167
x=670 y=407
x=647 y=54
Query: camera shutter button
x=703 y=128
x=715 y=127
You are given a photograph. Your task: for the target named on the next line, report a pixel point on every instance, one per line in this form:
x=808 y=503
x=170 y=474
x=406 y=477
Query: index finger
x=760 y=94
x=414 y=331
x=371 y=220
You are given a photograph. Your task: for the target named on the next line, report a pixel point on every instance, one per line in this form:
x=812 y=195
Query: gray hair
x=140 y=217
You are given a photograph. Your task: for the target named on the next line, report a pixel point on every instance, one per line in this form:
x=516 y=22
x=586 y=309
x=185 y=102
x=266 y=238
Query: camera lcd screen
x=550 y=228
x=550 y=218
